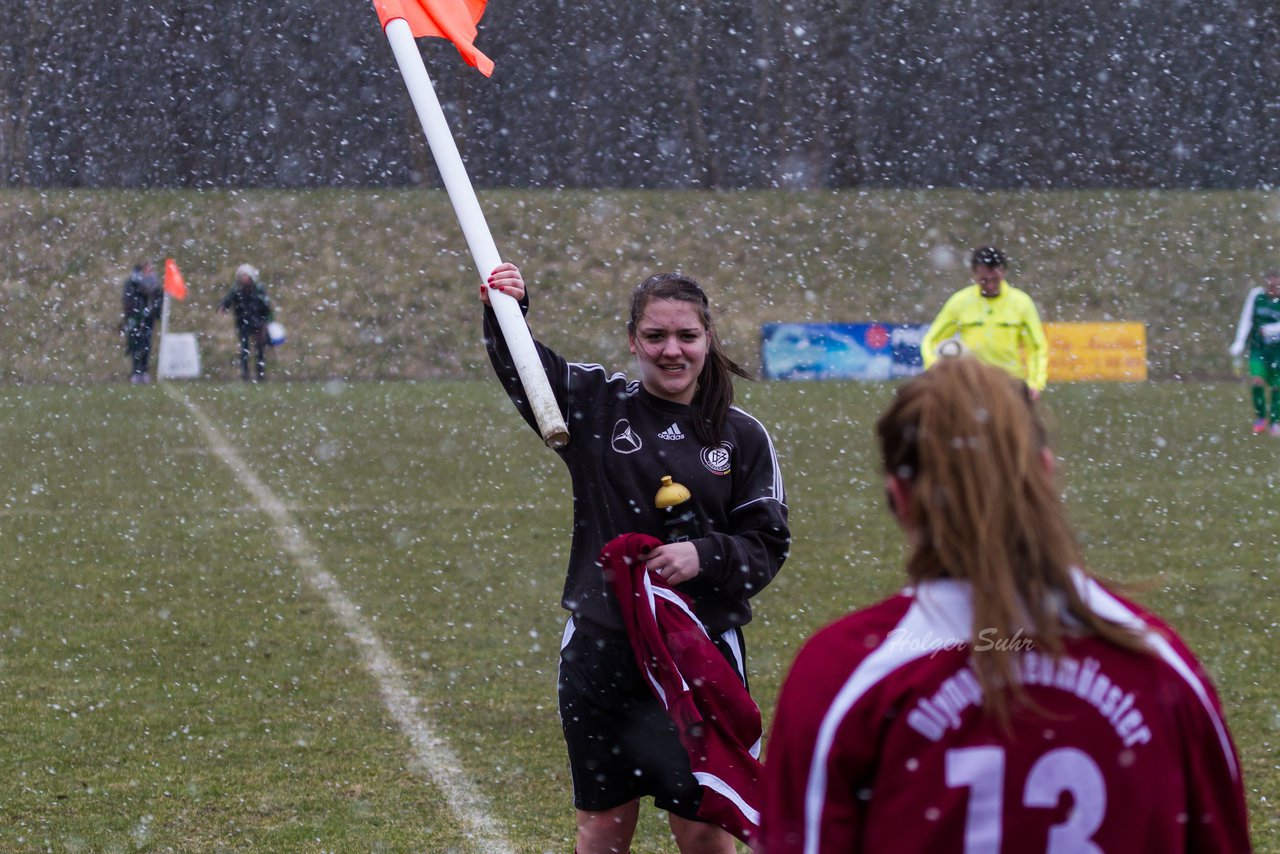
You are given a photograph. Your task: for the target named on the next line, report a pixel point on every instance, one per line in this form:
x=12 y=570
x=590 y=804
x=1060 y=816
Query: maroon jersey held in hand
x=879 y=742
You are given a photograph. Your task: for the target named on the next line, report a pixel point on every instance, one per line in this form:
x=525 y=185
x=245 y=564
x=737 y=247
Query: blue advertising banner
x=841 y=351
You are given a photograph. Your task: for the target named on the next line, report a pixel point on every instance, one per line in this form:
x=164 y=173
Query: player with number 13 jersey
x=1005 y=700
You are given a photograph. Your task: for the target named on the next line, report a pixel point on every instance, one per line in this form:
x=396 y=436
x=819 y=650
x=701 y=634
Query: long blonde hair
x=982 y=506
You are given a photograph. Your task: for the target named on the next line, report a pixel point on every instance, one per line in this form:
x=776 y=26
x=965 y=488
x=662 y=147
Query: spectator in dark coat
x=141 y=302
x=253 y=311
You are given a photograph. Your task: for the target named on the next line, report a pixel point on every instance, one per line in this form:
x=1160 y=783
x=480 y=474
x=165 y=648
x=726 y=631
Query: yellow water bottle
x=678 y=518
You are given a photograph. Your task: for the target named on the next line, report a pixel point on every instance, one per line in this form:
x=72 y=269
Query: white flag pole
x=485 y=252
x=164 y=333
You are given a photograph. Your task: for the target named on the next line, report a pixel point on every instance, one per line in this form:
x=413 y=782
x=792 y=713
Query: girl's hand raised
x=505 y=278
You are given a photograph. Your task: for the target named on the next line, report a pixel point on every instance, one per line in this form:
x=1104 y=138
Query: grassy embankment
x=379 y=284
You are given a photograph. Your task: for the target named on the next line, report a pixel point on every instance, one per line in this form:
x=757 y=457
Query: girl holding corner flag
x=676 y=420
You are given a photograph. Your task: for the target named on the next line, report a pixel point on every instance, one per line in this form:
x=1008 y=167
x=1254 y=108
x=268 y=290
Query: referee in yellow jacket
x=995 y=321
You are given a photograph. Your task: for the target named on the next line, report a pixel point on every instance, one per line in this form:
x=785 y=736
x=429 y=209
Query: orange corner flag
x=174 y=285
x=454 y=20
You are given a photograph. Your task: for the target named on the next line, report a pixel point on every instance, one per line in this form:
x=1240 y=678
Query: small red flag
x=174 y=285
x=454 y=20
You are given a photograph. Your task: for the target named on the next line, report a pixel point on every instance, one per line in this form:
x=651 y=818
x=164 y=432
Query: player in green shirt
x=1259 y=329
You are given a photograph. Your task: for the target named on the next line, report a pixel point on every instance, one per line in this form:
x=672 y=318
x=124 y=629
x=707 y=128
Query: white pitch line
x=431 y=751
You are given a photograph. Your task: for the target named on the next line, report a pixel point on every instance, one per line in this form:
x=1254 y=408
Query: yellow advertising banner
x=1097 y=351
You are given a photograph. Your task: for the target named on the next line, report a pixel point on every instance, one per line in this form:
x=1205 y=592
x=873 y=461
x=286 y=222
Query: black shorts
x=622 y=745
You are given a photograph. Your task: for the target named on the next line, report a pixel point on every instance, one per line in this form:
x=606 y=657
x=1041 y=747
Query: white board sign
x=179 y=356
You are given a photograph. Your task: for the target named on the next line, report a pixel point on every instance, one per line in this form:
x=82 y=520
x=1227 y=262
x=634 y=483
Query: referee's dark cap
x=988 y=256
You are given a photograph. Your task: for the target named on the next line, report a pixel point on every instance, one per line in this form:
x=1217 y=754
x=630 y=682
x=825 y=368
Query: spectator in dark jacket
x=253 y=311
x=140 y=306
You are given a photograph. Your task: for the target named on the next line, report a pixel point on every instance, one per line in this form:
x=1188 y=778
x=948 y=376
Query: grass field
x=337 y=631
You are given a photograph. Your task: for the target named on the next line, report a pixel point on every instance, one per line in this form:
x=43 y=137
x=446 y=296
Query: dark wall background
x=649 y=93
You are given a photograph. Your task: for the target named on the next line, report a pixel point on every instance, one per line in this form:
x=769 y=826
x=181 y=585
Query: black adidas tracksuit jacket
x=622 y=441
